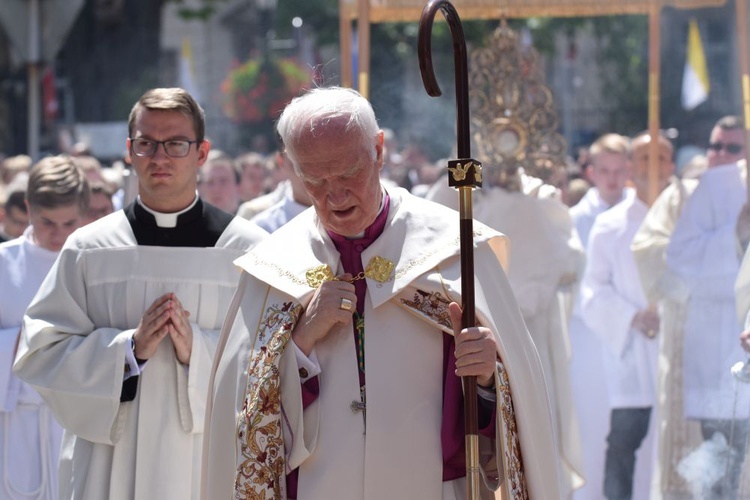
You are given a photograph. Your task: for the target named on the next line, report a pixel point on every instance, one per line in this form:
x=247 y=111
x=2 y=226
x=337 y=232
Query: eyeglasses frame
x=163 y=145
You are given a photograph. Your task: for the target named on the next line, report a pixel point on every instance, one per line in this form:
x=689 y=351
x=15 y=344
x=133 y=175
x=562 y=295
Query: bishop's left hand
x=180 y=331
x=476 y=350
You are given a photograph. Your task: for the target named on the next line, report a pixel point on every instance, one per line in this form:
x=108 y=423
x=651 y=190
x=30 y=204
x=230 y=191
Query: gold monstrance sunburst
x=513 y=113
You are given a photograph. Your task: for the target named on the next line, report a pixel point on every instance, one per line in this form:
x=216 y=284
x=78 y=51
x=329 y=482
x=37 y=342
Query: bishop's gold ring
x=346 y=305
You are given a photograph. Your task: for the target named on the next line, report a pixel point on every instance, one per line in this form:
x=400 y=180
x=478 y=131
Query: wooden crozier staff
x=465 y=174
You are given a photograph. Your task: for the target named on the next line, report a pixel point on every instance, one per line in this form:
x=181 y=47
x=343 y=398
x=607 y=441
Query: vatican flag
x=186 y=71
x=695 y=83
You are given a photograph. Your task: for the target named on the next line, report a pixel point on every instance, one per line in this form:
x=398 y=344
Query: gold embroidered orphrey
x=379 y=269
x=433 y=305
x=262 y=471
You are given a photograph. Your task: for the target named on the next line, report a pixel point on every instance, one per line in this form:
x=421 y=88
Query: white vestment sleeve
x=8 y=389
x=311 y=365
x=650 y=242
x=76 y=368
x=603 y=309
x=301 y=422
x=703 y=248
x=192 y=384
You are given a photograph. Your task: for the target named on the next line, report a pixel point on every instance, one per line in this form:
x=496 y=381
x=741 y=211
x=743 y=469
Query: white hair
x=319 y=107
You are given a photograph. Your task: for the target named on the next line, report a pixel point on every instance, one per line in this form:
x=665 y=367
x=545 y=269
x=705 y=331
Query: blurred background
x=85 y=62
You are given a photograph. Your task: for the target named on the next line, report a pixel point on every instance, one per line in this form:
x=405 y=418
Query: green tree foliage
x=622 y=61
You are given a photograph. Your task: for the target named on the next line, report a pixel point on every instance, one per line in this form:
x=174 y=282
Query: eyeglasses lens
x=175 y=148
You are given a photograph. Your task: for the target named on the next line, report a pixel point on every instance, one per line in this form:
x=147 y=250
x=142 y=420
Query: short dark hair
x=171 y=99
x=729 y=122
x=16 y=200
x=55 y=182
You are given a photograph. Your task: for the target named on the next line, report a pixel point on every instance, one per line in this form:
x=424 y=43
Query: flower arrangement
x=257 y=90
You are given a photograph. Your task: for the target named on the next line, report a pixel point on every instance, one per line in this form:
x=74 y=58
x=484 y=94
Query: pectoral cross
x=361 y=405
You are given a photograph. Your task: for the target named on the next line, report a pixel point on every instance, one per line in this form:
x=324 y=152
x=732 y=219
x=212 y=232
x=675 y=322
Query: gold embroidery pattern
x=281 y=272
x=433 y=305
x=515 y=475
x=261 y=474
x=419 y=261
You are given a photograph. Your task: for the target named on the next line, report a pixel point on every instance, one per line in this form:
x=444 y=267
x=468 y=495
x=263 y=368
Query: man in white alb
x=120 y=339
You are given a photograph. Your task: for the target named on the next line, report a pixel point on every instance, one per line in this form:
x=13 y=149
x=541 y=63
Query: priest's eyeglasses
x=176 y=148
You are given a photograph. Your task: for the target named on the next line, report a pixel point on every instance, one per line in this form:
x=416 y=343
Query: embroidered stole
x=261 y=473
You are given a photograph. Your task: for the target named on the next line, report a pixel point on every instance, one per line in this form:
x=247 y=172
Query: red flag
x=49 y=96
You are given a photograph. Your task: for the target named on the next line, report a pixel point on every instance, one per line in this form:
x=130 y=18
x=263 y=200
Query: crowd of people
x=193 y=325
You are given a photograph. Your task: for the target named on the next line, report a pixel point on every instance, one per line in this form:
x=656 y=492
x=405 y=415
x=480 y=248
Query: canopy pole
x=654 y=65
x=363 y=48
x=345 y=44
x=741 y=8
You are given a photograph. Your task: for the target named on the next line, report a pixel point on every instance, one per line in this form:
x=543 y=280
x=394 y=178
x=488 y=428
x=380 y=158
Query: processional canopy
x=382 y=11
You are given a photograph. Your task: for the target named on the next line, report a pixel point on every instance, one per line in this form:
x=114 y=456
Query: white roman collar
x=167 y=220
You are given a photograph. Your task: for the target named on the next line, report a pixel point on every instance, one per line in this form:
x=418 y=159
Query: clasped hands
x=647 y=322
x=476 y=349
x=166 y=316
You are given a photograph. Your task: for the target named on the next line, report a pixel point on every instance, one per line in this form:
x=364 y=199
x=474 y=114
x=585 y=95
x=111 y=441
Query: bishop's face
x=341 y=172
x=166 y=183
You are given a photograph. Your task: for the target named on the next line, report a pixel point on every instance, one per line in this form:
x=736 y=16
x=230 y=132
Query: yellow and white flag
x=186 y=70
x=695 y=82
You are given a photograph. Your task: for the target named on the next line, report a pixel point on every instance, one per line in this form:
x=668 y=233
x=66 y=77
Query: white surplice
x=72 y=350
x=704 y=253
x=29 y=435
x=587 y=374
x=546 y=258
x=280 y=213
x=676 y=435
x=584 y=213
x=400 y=456
x=611 y=295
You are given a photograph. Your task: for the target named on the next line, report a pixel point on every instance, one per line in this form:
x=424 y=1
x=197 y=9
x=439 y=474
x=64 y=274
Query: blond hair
x=610 y=143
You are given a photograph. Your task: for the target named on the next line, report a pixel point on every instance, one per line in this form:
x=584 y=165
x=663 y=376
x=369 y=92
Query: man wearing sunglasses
x=705 y=253
x=120 y=339
x=727 y=142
